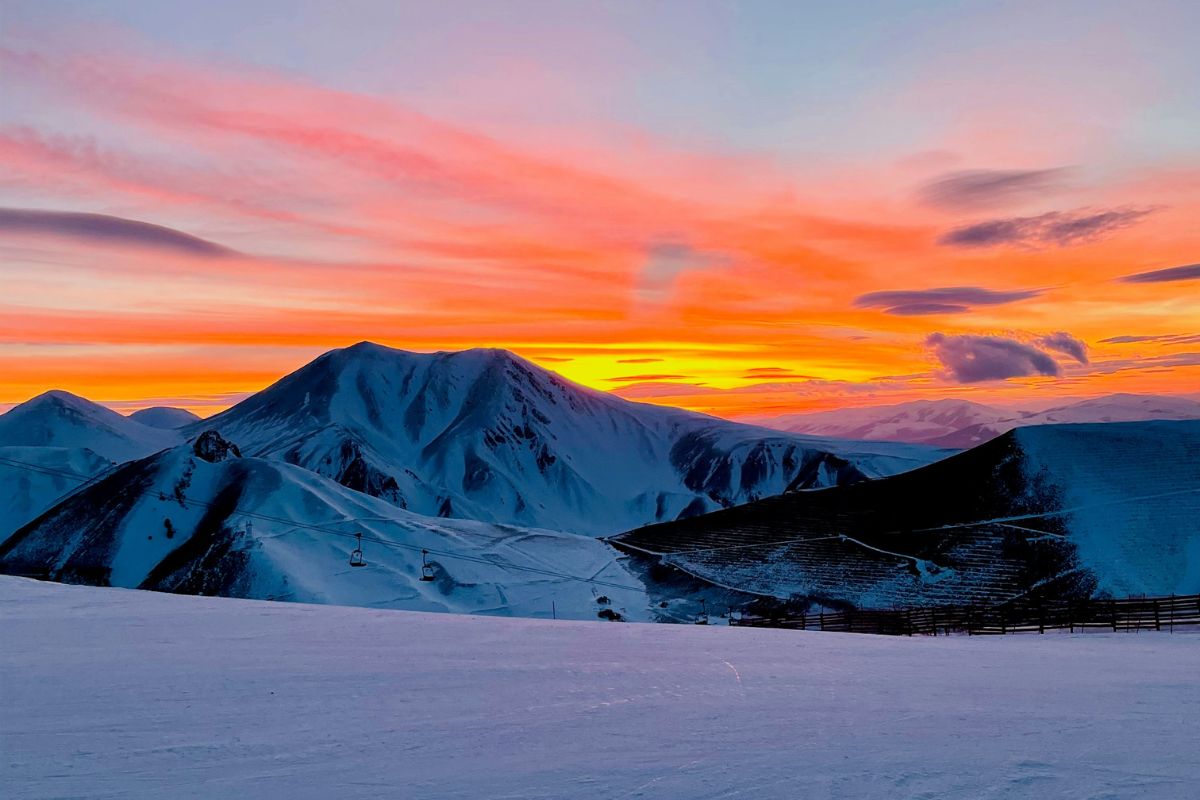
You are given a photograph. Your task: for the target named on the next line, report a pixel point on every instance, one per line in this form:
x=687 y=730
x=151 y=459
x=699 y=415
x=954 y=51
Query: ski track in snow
x=110 y=693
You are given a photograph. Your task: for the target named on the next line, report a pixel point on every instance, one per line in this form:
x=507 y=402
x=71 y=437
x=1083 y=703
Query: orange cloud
x=342 y=216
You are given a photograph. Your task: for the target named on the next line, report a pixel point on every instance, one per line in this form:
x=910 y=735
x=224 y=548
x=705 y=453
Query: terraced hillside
x=1061 y=510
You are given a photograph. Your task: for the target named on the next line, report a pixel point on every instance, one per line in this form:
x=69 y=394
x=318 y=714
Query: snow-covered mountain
x=486 y=435
x=32 y=479
x=961 y=424
x=1056 y=509
x=172 y=522
x=1111 y=408
x=916 y=421
x=61 y=419
x=1119 y=408
x=164 y=417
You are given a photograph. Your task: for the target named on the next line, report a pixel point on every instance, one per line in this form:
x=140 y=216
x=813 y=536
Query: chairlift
x=703 y=618
x=356 y=557
x=426 y=568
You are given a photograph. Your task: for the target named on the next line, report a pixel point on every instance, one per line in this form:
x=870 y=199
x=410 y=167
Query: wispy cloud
x=105 y=229
x=1056 y=228
x=665 y=261
x=1166 y=338
x=773 y=374
x=1065 y=343
x=1187 y=272
x=648 y=377
x=973 y=190
x=946 y=300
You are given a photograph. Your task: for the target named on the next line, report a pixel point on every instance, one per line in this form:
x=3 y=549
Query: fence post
x=1157 y=623
x=1112 y=607
x=821 y=619
x=1041 y=618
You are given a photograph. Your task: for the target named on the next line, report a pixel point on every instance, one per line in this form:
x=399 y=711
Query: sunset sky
x=741 y=208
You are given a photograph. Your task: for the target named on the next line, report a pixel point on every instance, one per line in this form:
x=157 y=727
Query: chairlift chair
x=426 y=568
x=703 y=618
x=356 y=556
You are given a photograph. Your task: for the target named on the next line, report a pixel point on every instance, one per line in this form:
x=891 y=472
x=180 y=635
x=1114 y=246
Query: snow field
x=109 y=693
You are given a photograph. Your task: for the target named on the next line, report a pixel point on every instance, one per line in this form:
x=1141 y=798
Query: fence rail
x=1125 y=614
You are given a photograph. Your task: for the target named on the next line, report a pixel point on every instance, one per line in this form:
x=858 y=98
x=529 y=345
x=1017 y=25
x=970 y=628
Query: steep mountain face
x=32 y=479
x=960 y=424
x=164 y=417
x=483 y=434
x=173 y=522
x=63 y=420
x=1054 y=509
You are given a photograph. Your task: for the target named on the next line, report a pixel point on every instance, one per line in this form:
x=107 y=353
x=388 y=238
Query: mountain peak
x=366 y=347
x=60 y=419
x=483 y=433
x=62 y=398
x=164 y=417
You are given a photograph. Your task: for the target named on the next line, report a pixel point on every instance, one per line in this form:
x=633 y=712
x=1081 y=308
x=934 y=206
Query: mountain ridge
x=1059 y=509
x=485 y=434
x=956 y=423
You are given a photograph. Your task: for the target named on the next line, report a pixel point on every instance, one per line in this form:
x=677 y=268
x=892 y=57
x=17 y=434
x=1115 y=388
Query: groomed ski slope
x=108 y=693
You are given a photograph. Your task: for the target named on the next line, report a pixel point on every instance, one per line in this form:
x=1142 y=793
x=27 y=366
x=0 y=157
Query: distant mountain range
x=506 y=473
x=478 y=434
x=1057 y=509
x=959 y=424
x=479 y=454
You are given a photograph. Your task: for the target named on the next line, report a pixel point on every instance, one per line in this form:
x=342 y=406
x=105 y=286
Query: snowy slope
x=33 y=478
x=1132 y=491
x=1048 y=510
x=484 y=434
x=61 y=419
x=1118 y=408
x=169 y=522
x=109 y=693
x=164 y=417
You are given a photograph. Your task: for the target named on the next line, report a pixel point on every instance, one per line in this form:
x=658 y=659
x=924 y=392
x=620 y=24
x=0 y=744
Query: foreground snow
x=111 y=693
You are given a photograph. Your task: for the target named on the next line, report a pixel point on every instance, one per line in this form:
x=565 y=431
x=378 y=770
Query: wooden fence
x=1126 y=614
